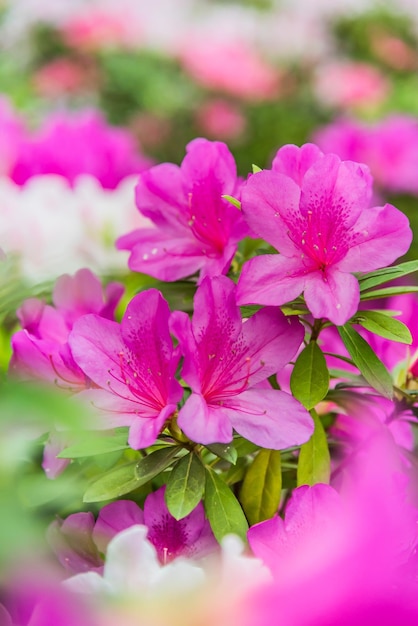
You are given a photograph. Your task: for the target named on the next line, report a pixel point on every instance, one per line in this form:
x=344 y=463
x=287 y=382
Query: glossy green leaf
x=310 y=377
x=224 y=451
x=262 y=487
x=383 y=325
x=387 y=292
x=94 y=444
x=371 y=368
x=223 y=510
x=156 y=462
x=314 y=458
x=113 y=484
x=378 y=277
x=185 y=486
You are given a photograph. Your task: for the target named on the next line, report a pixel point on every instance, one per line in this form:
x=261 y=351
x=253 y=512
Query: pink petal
x=295 y=162
x=333 y=295
x=270 y=418
x=385 y=236
x=271 y=279
x=113 y=518
x=204 y=424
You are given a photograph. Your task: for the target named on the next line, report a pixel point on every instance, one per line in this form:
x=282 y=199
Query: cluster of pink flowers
x=195 y=384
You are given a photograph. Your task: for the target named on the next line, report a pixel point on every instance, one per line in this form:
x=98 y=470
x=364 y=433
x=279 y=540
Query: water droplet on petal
x=338 y=306
x=154 y=251
x=145 y=256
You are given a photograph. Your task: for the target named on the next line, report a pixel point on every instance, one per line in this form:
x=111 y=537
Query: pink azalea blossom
x=349 y=84
x=347 y=554
x=79 y=540
x=133 y=364
x=79 y=143
x=221 y=119
x=60 y=77
x=232 y=67
x=196 y=229
x=314 y=209
x=40 y=349
x=226 y=364
x=389 y=147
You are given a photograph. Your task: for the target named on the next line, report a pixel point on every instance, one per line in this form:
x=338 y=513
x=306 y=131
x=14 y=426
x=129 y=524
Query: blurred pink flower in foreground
x=347 y=84
x=389 y=147
x=70 y=144
x=78 y=541
x=349 y=555
x=231 y=67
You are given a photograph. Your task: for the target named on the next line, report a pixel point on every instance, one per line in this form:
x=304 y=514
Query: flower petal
x=270 y=418
x=204 y=424
x=333 y=295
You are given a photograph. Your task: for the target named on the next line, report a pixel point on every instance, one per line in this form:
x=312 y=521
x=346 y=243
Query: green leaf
x=314 y=458
x=126 y=478
x=232 y=200
x=256 y=169
x=262 y=487
x=388 y=291
x=388 y=273
x=95 y=444
x=310 y=377
x=185 y=486
x=371 y=368
x=156 y=462
x=383 y=325
x=113 y=484
x=223 y=510
x=225 y=451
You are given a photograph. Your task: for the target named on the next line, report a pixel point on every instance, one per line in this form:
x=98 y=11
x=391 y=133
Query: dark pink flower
x=78 y=540
x=82 y=143
x=314 y=209
x=133 y=364
x=13 y=135
x=226 y=364
x=41 y=350
x=195 y=228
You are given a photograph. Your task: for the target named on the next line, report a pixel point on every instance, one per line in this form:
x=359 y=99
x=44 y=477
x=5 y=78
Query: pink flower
x=389 y=147
x=79 y=143
x=232 y=67
x=349 y=84
x=13 y=134
x=78 y=539
x=196 y=229
x=349 y=556
x=220 y=119
x=41 y=350
x=61 y=76
x=226 y=364
x=95 y=28
x=133 y=364
x=314 y=209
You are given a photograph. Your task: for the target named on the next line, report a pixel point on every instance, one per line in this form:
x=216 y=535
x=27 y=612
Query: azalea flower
x=319 y=218
x=226 y=364
x=133 y=364
x=196 y=229
x=79 y=143
x=79 y=540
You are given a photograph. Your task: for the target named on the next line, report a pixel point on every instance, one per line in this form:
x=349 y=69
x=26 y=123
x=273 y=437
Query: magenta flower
x=133 y=364
x=78 y=539
x=41 y=350
x=82 y=143
x=196 y=230
x=226 y=364
x=316 y=214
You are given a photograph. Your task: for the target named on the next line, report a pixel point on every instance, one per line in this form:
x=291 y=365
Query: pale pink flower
x=220 y=119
